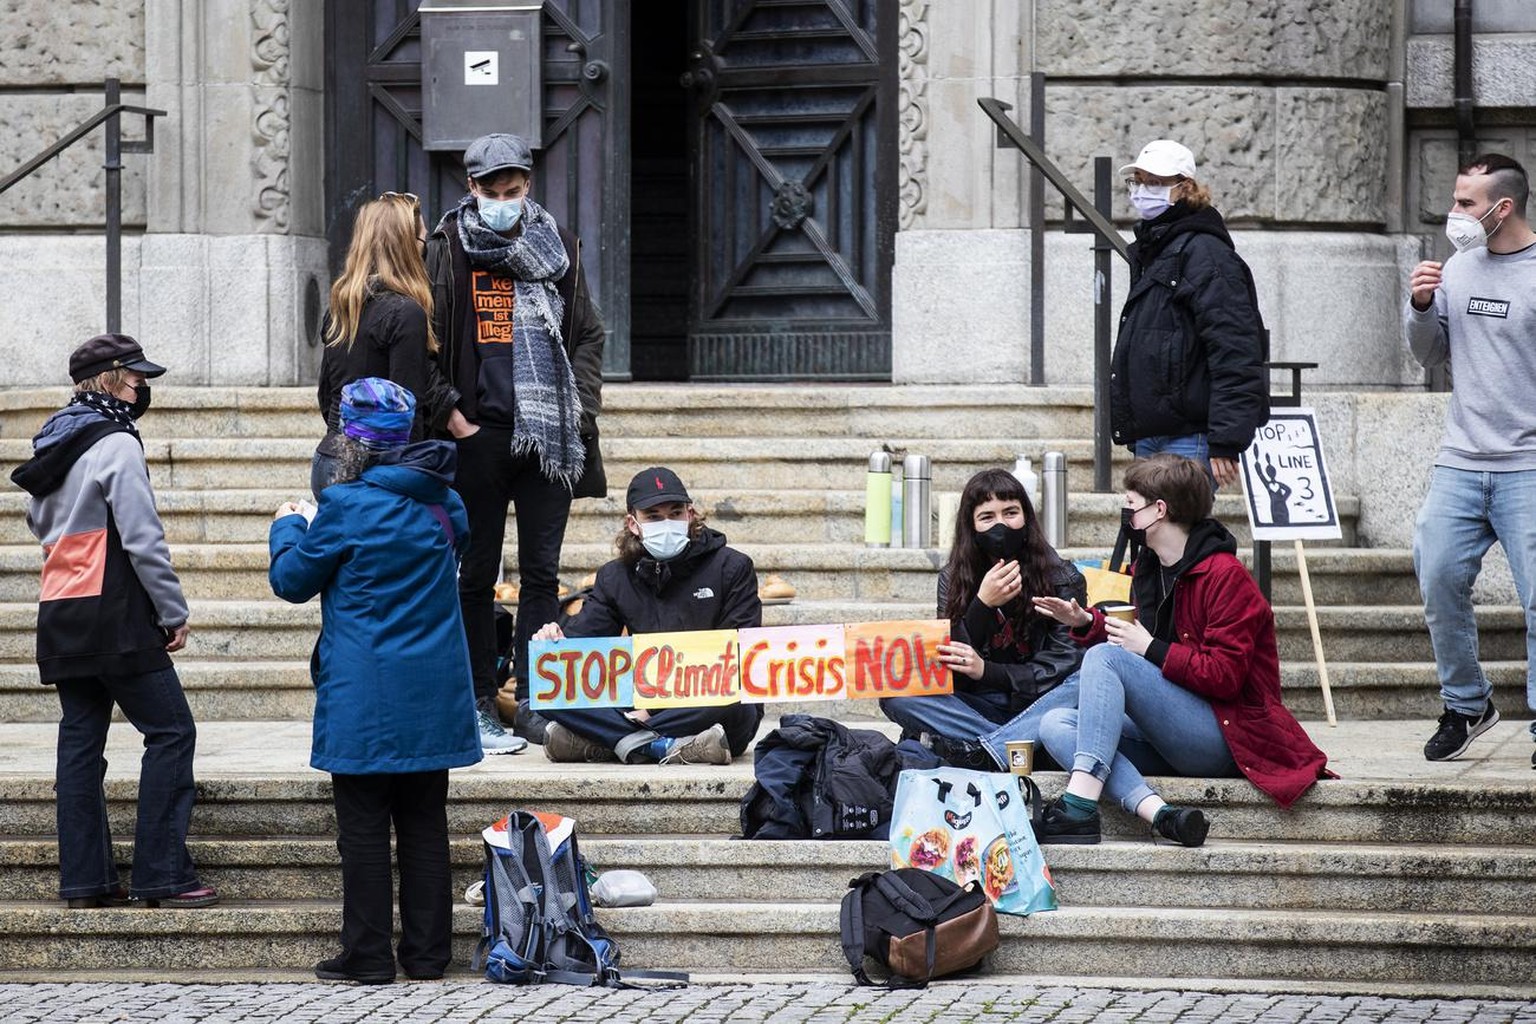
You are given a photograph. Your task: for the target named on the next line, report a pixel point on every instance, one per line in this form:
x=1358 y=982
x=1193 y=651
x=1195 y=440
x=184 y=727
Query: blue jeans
x=157 y=708
x=1463 y=514
x=1191 y=446
x=322 y=472
x=954 y=716
x=1131 y=719
x=1026 y=724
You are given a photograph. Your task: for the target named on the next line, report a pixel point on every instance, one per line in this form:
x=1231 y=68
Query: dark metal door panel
x=373 y=134
x=794 y=184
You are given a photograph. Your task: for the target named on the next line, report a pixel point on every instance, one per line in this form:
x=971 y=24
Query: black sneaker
x=1186 y=826
x=336 y=969
x=529 y=724
x=1457 y=731
x=968 y=754
x=1059 y=827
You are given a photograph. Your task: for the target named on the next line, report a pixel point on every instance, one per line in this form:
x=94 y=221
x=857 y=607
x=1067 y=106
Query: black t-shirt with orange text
x=491 y=300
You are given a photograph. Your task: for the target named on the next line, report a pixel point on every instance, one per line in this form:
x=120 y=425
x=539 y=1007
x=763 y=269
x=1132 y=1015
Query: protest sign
x=1290 y=496
x=792 y=663
x=896 y=659
x=699 y=668
x=591 y=672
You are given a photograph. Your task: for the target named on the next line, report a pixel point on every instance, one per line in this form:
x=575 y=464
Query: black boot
x=964 y=754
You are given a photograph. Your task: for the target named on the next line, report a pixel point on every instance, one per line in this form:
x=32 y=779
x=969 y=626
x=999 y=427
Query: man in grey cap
x=523 y=343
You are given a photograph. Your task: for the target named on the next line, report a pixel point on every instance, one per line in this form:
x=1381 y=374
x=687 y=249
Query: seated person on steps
x=1004 y=654
x=672 y=573
x=1192 y=687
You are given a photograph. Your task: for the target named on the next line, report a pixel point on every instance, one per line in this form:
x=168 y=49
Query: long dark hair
x=967 y=564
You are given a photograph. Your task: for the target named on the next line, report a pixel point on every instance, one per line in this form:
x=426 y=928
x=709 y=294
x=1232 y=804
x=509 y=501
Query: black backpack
x=919 y=925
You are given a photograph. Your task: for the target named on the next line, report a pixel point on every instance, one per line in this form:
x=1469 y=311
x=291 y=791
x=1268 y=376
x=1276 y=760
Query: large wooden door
x=373 y=134
x=794 y=183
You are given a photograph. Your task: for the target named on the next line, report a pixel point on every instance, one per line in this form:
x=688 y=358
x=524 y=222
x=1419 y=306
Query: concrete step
x=766 y=517
x=1365 y=948
x=281 y=690
x=1444 y=879
x=663 y=410
x=819 y=572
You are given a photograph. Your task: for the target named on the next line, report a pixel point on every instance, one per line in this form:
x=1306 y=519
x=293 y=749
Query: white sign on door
x=480 y=67
x=1289 y=494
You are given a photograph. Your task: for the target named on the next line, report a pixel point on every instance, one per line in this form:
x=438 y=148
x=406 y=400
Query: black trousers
x=490 y=478
x=608 y=725
x=417 y=804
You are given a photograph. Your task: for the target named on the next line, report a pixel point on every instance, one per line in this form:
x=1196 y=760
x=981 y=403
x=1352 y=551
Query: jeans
x=1191 y=446
x=322 y=472
x=608 y=725
x=954 y=716
x=1463 y=514
x=1026 y=724
x=490 y=477
x=156 y=706
x=1131 y=719
x=417 y=804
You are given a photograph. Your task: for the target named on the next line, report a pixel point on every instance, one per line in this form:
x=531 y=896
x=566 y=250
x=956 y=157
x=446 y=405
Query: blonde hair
x=385 y=249
x=107 y=382
x=1192 y=194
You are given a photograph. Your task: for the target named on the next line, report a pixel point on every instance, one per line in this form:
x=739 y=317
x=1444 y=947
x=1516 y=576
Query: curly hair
x=631 y=550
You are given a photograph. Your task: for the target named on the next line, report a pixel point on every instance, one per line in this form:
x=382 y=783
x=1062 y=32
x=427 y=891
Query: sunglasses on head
x=413 y=197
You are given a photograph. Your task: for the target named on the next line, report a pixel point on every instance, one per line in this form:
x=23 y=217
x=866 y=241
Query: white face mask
x=1466 y=232
x=664 y=538
x=1151 y=200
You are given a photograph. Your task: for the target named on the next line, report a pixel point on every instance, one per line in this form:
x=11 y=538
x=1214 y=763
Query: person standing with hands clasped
x=1192 y=687
x=1005 y=655
x=110 y=615
x=1187 y=375
x=1477 y=313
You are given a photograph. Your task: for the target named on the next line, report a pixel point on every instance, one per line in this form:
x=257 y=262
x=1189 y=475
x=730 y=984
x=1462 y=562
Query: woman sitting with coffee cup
x=1004 y=654
x=1191 y=687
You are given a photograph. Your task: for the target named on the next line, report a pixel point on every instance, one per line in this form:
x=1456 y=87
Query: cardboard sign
x=581 y=673
x=685 y=670
x=792 y=663
x=896 y=659
x=1289 y=493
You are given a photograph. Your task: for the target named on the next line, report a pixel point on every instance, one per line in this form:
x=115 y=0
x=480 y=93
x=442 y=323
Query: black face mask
x=1002 y=541
x=1138 y=537
x=140 y=401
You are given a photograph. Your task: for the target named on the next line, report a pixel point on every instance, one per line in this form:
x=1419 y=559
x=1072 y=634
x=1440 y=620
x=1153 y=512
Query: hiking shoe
x=1058 y=826
x=202 y=896
x=494 y=739
x=1457 y=731
x=1186 y=826
x=708 y=747
x=528 y=723
x=562 y=744
x=335 y=969
x=968 y=754
x=116 y=898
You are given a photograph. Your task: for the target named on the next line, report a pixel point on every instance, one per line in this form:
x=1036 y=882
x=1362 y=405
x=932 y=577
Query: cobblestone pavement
x=797 y=1003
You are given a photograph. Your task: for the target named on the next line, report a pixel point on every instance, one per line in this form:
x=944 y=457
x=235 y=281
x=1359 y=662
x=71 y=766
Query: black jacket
x=819 y=779
x=1191 y=350
x=581 y=329
x=391 y=342
x=1027 y=667
x=708 y=586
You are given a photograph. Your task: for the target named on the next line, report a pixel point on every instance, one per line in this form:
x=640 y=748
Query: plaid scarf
x=546 y=407
x=110 y=406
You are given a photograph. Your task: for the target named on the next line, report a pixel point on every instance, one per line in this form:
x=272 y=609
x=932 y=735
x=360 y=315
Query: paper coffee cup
x=1021 y=756
x=1123 y=612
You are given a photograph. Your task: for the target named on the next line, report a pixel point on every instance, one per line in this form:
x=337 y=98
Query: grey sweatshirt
x=1483 y=321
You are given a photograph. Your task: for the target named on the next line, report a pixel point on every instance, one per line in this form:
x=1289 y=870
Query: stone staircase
x=1388 y=878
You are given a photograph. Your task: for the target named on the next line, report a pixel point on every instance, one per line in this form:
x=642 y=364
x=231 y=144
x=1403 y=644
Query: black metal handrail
x=109 y=115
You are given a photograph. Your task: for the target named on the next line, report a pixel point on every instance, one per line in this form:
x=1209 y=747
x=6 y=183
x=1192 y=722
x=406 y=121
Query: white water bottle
x=1026 y=475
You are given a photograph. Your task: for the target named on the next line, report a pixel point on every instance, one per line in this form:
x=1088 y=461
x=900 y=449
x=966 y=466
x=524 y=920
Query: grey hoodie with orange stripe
x=109 y=595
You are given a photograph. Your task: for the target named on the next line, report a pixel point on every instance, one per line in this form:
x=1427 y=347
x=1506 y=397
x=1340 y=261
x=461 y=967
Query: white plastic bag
x=623 y=889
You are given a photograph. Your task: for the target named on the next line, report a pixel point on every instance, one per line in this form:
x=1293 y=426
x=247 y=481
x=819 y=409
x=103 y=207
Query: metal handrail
x=110 y=115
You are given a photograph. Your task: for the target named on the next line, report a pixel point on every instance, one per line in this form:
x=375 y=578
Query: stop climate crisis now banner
x=750 y=666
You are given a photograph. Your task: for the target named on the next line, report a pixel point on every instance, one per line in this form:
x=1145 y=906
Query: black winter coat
x=1191 y=350
x=819 y=779
x=581 y=329
x=391 y=342
x=1025 y=668
x=708 y=586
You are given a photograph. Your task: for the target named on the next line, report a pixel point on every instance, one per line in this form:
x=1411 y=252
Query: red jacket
x=1225 y=651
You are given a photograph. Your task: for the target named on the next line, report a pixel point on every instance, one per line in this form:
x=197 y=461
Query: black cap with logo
x=655 y=486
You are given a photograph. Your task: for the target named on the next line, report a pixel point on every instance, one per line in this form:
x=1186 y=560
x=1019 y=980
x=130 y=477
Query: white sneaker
x=496 y=740
x=708 y=747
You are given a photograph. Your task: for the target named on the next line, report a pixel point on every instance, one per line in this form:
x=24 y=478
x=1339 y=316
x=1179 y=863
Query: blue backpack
x=539 y=926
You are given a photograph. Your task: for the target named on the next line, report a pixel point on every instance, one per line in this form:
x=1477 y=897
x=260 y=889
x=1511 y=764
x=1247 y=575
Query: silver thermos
x=917 y=502
x=1053 y=499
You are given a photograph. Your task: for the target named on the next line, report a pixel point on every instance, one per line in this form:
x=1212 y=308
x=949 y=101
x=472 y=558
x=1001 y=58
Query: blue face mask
x=500 y=214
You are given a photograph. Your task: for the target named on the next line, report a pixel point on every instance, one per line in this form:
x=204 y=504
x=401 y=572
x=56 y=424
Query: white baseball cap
x=1164 y=158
